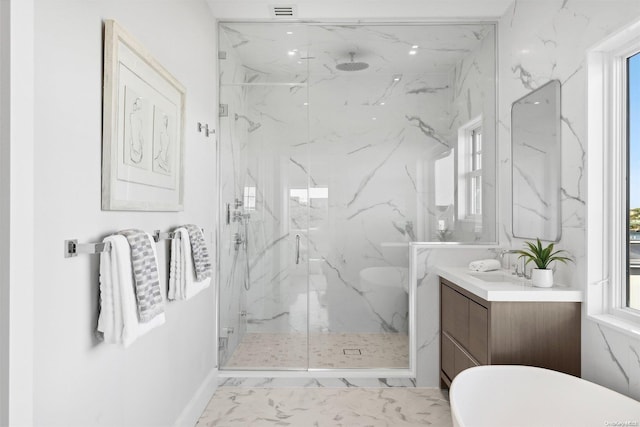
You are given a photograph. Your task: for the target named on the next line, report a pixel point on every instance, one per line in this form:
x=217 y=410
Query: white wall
x=16 y=212
x=543 y=40
x=77 y=379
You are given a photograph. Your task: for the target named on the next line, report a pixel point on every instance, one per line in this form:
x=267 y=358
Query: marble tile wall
x=428 y=311
x=541 y=41
x=474 y=94
x=374 y=170
x=371 y=141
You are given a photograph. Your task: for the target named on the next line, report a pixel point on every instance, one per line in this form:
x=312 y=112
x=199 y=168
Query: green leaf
x=542 y=256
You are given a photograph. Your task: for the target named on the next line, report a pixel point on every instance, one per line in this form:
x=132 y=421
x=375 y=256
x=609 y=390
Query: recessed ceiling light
x=289 y=33
x=382 y=103
x=536 y=103
x=413 y=52
x=291 y=53
x=373 y=118
x=415 y=46
x=305 y=104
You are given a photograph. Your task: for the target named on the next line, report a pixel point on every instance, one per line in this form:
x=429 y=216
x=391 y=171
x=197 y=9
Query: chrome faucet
x=515 y=271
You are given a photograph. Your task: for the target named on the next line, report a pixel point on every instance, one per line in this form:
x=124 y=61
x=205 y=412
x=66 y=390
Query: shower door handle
x=297 y=249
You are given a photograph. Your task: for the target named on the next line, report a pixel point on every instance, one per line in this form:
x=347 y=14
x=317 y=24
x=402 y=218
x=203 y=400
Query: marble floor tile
x=326 y=351
x=352 y=407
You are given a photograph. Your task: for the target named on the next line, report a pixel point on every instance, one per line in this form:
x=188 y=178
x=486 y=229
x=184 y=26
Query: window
x=249 y=198
x=303 y=195
x=632 y=290
x=470 y=170
x=613 y=193
x=475 y=173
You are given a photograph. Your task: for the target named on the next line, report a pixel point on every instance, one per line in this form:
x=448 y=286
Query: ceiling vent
x=283 y=11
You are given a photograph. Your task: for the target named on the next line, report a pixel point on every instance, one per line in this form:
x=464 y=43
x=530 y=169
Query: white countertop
x=500 y=285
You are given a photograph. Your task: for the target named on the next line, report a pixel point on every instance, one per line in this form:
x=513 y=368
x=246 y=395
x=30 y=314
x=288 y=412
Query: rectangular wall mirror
x=535 y=164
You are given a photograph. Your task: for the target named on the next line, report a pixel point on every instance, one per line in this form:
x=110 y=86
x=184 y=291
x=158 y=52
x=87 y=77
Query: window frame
x=473 y=171
x=466 y=173
x=607 y=172
x=249 y=198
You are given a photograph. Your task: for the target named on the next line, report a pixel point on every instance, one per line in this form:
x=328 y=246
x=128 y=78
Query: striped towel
x=200 y=255
x=118 y=322
x=182 y=277
x=145 y=273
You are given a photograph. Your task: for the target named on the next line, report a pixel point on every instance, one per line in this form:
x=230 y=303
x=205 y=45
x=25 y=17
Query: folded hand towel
x=199 y=251
x=183 y=282
x=145 y=269
x=118 y=321
x=485 y=265
x=175 y=266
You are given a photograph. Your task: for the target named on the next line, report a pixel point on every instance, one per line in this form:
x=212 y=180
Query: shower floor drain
x=351 y=351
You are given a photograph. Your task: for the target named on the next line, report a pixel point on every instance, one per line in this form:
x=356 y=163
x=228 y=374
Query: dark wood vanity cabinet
x=477 y=332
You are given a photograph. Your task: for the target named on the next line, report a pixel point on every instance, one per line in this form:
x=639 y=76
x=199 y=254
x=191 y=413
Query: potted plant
x=542 y=276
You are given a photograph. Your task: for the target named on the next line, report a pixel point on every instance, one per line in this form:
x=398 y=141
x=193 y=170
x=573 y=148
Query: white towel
x=118 y=320
x=485 y=265
x=182 y=275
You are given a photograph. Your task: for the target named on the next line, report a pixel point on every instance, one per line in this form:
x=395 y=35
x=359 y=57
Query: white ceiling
x=362 y=9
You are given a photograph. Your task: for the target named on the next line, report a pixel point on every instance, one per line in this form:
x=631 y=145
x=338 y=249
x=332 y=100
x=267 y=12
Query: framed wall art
x=143 y=128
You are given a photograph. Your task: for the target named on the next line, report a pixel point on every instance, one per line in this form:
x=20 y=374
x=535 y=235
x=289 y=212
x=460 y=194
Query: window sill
x=618 y=324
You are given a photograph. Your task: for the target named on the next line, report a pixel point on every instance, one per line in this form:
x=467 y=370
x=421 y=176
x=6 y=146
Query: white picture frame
x=143 y=128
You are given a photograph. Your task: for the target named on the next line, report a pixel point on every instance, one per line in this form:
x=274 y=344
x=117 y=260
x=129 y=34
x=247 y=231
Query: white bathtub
x=524 y=396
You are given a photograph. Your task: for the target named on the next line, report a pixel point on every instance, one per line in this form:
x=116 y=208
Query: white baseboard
x=191 y=413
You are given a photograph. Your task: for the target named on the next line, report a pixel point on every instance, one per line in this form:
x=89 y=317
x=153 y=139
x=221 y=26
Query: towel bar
x=72 y=248
x=157 y=235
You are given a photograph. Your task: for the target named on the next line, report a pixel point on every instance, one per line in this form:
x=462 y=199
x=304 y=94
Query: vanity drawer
x=455 y=314
x=447 y=350
x=478 y=332
x=461 y=361
x=453 y=358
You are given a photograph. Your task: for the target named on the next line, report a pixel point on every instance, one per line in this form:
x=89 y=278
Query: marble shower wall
x=361 y=207
x=366 y=145
x=474 y=94
x=541 y=41
x=374 y=159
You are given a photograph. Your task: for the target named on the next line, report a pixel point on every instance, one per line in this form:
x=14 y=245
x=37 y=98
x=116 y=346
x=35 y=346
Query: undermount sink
x=495 y=277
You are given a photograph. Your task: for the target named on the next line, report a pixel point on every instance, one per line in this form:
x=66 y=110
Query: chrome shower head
x=252 y=125
x=352 y=66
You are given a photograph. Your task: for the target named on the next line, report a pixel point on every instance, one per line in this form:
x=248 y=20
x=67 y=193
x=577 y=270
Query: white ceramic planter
x=542 y=278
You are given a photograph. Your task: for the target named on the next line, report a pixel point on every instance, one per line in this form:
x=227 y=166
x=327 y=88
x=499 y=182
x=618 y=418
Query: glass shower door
x=263 y=302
